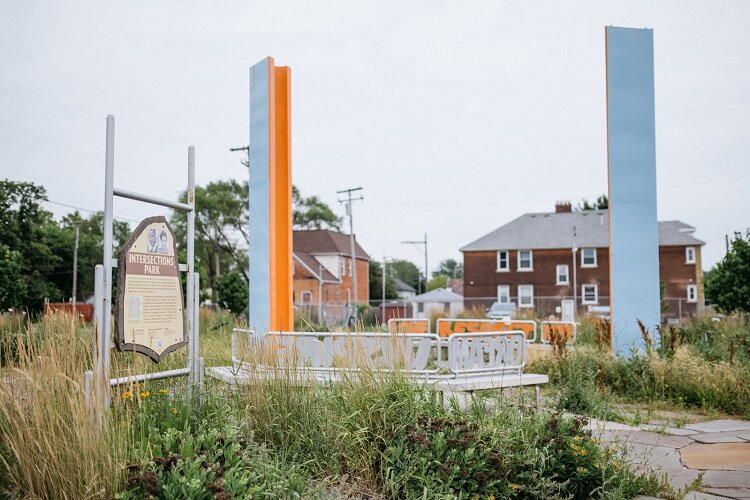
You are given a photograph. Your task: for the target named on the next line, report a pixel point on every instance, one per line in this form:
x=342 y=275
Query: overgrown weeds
x=49 y=447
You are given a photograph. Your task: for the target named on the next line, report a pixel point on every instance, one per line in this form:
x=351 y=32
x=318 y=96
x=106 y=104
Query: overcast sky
x=455 y=117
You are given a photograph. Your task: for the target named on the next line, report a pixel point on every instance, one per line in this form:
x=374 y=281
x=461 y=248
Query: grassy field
x=701 y=366
x=369 y=436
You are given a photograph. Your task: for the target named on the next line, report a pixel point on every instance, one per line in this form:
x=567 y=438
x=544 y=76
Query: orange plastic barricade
x=448 y=326
x=566 y=329
x=408 y=325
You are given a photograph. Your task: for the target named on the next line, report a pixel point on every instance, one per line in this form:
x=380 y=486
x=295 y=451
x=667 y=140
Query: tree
x=376 y=282
x=221 y=220
x=727 y=285
x=439 y=281
x=312 y=213
x=23 y=234
x=449 y=268
x=232 y=292
x=407 y=272
x=12 y=287
x=601 y=203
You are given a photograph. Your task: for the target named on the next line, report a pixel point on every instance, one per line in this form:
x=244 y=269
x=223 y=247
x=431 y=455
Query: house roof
x=556 y=230
x=401 y=286
x=312 y=267
x=438 y=295
x=325 y=241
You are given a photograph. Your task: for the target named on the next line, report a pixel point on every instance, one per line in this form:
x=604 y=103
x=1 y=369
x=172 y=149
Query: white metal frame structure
x=97 y=382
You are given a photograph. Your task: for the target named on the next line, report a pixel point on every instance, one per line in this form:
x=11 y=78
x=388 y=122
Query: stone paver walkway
x=718 y=448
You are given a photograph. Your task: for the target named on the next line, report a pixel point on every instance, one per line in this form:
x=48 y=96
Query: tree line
x=36 y=250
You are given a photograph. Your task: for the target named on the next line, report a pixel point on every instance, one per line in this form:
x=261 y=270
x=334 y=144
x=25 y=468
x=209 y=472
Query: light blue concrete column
x=633 y=226
x=259 y=230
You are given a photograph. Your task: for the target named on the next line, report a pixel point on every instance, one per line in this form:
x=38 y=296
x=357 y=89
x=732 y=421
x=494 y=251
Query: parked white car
x=502 y=311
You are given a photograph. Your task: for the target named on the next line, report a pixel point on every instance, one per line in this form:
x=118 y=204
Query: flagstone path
x=720 y=449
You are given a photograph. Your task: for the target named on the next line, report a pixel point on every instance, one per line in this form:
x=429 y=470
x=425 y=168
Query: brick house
x=322 y=269
x=539 y=260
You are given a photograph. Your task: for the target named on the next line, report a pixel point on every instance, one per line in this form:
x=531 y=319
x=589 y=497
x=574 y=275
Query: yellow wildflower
x=581 y=470
x=126 y=395
x=515 y=487
x=583 y=451
x=162 y=391
x=174 y=411
x=145 y=394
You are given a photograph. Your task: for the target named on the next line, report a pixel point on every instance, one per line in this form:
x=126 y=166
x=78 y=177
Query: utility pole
x=348 y=200
x=426 y=276
x=75 y=264
x=382 y=304
x=246 y=149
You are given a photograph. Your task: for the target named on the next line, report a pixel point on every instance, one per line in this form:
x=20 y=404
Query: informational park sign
x=149 y=310
x=631 y=147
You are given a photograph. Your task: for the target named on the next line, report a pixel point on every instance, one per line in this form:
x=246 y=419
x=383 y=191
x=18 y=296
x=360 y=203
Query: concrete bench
x=475 y=361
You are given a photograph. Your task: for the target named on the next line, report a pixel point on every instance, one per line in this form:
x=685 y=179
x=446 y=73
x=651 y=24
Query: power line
x=72 y=162
x=105 y=91
x=87 y=115
x=89 y=210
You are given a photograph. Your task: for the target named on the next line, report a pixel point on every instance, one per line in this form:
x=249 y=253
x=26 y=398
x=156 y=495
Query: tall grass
x=49 y=446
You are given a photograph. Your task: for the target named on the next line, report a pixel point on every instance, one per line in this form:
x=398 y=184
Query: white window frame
x=583 y=252
x=689 y=255
x=531 y=261
x=558 y=281
x=520 y=296
x=694 y=289
x=349 y=262
x=506 y=288
x=583 y=293
x=308 y=294
x=501 y=269
x=342 y=267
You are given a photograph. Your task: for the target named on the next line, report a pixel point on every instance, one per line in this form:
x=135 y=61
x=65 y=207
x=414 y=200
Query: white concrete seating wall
x=487 y=352
x=330 y=351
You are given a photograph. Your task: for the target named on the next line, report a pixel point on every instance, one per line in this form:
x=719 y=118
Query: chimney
x=563 y=207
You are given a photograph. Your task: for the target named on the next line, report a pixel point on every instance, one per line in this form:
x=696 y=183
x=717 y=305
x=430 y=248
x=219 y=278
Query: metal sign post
x=97 y=383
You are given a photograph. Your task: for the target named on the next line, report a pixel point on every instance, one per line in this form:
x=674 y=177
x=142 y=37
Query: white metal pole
x=190 y=299
x=426 y=271
x=575 y=285
x=382 y=304
x=106 y=331
x=353 y=252
x=75 y=267
x=100 y=382
x=320 y=294
x=198 y=363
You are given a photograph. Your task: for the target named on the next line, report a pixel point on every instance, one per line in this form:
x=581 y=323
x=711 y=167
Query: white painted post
x=190 y=307
x=106 y=313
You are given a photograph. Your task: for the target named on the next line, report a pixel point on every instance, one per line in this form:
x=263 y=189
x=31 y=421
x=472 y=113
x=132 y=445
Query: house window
x=348 y=296
x=342 y=267
x=689 y=255
x=503 y=294
x=692 y=293
x=420 y=307
x=502 y=260
x=588 y=257
x=525 y=295
x=525 y=260
x=306 y=297
x=350 y=266
x=562 y=274
x=590 y=294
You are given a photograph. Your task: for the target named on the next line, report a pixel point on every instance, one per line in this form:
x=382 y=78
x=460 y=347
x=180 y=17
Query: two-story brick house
x=539 y=260
x=322 y=270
